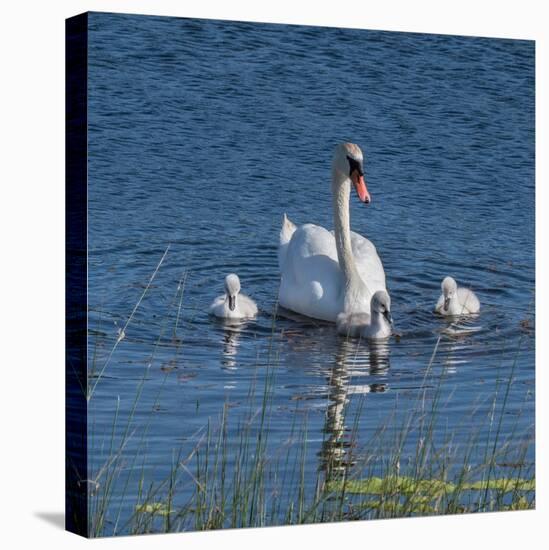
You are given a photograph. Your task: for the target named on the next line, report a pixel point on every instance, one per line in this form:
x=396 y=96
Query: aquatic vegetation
x=392 y=485
x=154 y=508
x=408 y=496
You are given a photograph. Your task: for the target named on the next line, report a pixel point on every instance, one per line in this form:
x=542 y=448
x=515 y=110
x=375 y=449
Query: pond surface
x=203 y=133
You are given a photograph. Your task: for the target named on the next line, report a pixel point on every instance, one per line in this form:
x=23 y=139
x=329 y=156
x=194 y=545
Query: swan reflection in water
x=232 y=331
x=456 y=342
x=354 y=359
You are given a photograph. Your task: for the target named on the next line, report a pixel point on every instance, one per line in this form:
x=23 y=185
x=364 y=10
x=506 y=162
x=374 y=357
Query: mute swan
x=324 y=273
x=377 y=324
x=456 y=300
x=233 y=305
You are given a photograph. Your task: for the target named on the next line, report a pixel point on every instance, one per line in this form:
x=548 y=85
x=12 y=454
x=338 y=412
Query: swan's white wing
x=313 y=240
x=368 y=263
x=217 y=307
x=311 y=282
x=246 y=306
x=468 y=300
x=286 y=232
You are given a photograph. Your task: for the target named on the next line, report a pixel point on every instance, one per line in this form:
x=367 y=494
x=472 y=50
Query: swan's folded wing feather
x=311 y=279
x=216 y=307
x=315 y=240
x=368 y=262
x=361 y=245
x=310 y=244
x=286 y=233
x=468 y=300
x=247 y=305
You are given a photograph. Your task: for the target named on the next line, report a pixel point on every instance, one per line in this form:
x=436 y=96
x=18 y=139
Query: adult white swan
x=325 y=273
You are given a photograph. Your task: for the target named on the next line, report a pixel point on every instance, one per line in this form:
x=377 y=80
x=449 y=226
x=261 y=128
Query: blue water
x=203 y=133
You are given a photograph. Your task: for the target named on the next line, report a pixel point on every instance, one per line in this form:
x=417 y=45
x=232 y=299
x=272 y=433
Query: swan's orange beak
x=360 y=186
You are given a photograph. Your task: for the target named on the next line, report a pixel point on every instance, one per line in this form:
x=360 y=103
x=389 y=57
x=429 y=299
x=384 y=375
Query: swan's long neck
x=341 y=190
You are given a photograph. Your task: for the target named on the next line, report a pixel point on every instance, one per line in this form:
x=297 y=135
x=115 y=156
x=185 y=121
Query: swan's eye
x=355 y=165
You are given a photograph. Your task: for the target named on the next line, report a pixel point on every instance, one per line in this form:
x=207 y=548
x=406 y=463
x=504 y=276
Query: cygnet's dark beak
x=232 y=302
x=388 y=316
x=446 y=302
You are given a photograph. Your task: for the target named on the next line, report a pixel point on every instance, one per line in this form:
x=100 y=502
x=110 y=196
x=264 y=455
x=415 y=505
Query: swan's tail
x=286 y=232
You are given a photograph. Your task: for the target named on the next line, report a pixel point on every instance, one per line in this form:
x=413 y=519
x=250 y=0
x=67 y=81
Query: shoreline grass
x=222 y=483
